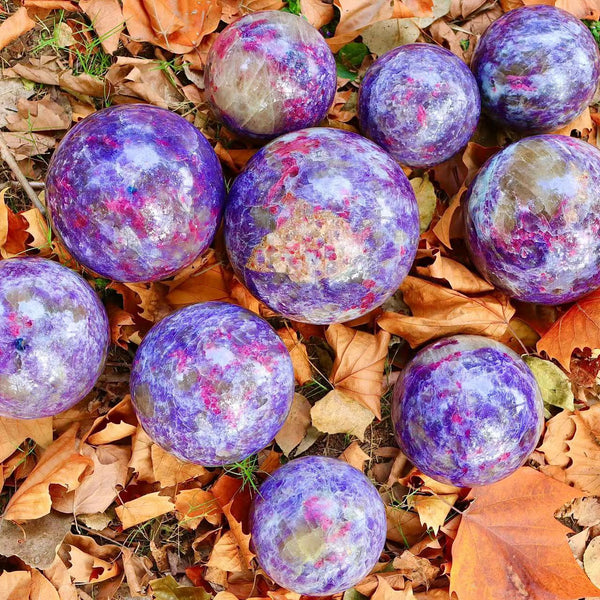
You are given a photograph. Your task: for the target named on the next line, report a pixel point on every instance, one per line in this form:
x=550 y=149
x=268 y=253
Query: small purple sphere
x=467 y=410
x=537 y=68
x=533 y=219
x=212 y=383
x=135 y=192
x=54 y=338
x=269 y=73
x=322 y=225
x=318 y=526
x=419 y=102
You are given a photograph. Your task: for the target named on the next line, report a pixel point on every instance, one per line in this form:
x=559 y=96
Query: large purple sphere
x=269 y=73
x=467 y=410
x=318 y=526
x=533 y=219
x=53 y=338
x=135 y=192
x=322 y=225
x=212 y=383
x=537 y=68
x=419 y=102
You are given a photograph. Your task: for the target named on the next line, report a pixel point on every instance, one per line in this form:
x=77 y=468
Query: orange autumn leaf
x=89 y=562
x=194 y=505
x=61 y=465
x=118 y=423
x=13 y=432
x=438 y=311
x=143 y=509
x=456 y=274
x=509 y=545
x=579 y=328
x=358 y=366
x=211 y=282
x=15 y=26
x=13 y=229
x=106 y=17
x=298 y=354
x=121 y=325
x=317 y=12
x=583 y=451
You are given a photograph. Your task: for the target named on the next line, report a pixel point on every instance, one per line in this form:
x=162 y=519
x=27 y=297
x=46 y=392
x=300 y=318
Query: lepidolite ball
x=135 y=192
x=269 y=73
x=212 y=383
x=419 y=102
x=537 y=68
x=533 y=219
x=318 y=526
x=322 y=225
x=467 y=410
x=53 y=338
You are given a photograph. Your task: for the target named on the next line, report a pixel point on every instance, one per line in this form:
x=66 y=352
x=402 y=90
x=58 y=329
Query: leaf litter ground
x=102 y=512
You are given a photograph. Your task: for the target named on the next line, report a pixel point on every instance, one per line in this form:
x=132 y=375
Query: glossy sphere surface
x=53 y=338
x=322 y=225
x=467 y=410
x=419 y=102
x=135 y=192
x=537 y=68
x=212 y=383
x=269 y=73
x=533 y=219
x=318 y=526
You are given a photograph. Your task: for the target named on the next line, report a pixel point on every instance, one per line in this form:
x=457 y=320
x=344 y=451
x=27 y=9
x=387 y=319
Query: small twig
x=9 y=159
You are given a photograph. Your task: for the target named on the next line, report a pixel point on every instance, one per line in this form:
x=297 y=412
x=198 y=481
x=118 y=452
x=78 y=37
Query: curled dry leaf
x=13 y=432
x=317 y=12
x=295 y=426
x=40 y=115
x=509 y=545
x=169 y=470
x=359 y=363
x=143 y=509
x=426 y=200
x=121 y=323
x=194 y=505
x=13 y=229
x=60 y=465
x=118 y=423
x=559 y=429
x=438 y=311
x=298 y=354
x=25 y=585
x=15 y=26
x=88 y=561
x=403 y=526
x=383 y=36
x=433 y=510
x=419 y=570
x=106 y=17
x=208 y=283
x=354 y=456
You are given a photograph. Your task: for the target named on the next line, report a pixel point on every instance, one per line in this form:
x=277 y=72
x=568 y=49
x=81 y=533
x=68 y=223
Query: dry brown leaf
x=225 y=554
x=175 y=25
x=89 y=561
x=298 y=354
x=121 y=324
x=118 y=423
x=13 y=432
x=194 y=505
x=141 y=456
x=509 y=545
x=433 y=510
x=403 y=526
x=582 y=9
x=438 y=311
x=210 y=282
x=449 y=225
x=295 y=426
x=24 y=585
x=107 y=19
x=317 y=12
x=98 y=491
x=582 y=123
x=61 y=580
x=61 y=465
x=385 y=591
x=242 y=539
x=456 y=274
x=355 y=456
x=39 y=230
x=235 y=158
x=559 y=429
x=13 y=230
x=169 y=470
x=584 y=451
x=358 y=366
x=15 y=26
x=419 y=570
x=143 y=509
x=40 y=115
x=152 y=299
x=579 y=327
x=337 y=413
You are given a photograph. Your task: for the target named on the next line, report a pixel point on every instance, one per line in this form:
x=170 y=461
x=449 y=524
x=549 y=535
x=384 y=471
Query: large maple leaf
x=509 y=545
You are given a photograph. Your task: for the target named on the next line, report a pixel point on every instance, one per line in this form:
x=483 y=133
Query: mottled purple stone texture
x=53 y=338
x=537 y=68
x=467 y=410
x=318 y=526
x=419 y=102
x=533 y=219
x=269 y=73
x=135 y=192
x=322 y=225
x=212 y=383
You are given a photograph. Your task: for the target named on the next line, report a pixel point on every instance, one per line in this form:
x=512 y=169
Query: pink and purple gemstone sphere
x=135 y=192
x=537 y=68
x=318 y=526
x=212 y=383
x=322 y=225
x=467 y=411
x=419 y=102
x=54 y=338
x=269 y=73
x=533 y=219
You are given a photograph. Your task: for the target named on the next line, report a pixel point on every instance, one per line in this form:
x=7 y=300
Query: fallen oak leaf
x=559 y=429
x=143 y=509
x=579 y=328
x=62 y=465
x=509 y=545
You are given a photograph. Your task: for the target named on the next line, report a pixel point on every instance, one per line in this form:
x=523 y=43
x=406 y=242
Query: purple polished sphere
x=467 y=410
x=537 y=68
x=322 y=225
x=318 y=526
x=135 y=192
x=419 y=102
x=212 y=383
x=269 y=73
x=53 y=338
x=533 y=219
